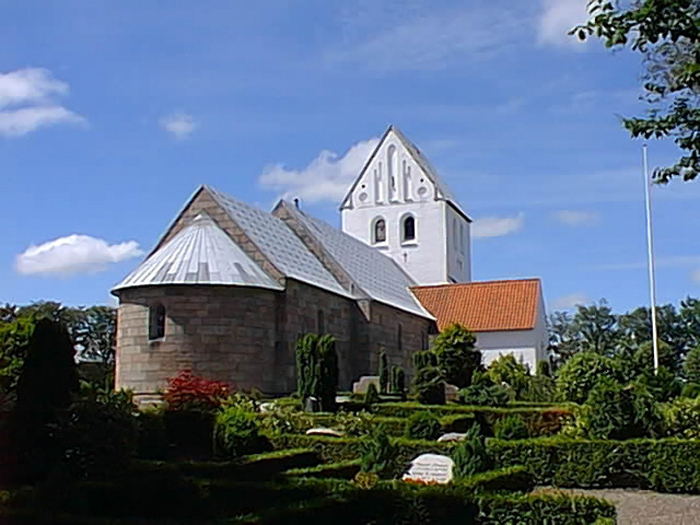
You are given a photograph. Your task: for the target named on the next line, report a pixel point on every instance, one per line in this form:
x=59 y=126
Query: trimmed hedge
x=340 y=470
x=550 y=509
x=333 y=450
x=395 y=502
x=249 y=468
x=665 y=465
x=541 y=421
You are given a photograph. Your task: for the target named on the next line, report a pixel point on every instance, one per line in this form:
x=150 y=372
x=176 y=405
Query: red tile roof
x=489 y=306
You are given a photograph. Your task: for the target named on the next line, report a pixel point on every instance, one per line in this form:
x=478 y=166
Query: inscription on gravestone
x=430 y=468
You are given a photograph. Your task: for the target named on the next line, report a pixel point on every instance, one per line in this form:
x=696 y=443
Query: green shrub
x=470 y=455
x=97 y=434
x=579 y=375
x=663 y=384
x=378 y=453
x=353 y=424
x=664 y=465
x=682 y=418
x=691 y=390
x=507 y=370
x=429 y=386
x=383 y=373
x=371 y=395
x=236 y=433
x=398 y=381
x=152 y=438
x=189 y=432
x=543 y=369
x=613 y=411
x=423 y=425
x=691 y=365
x=540 y=389
x=317 y=369
x=340 y=470
x=510 y=427
x=479 y=395
x=457 y=356
x=284 y=419
x=643 y=357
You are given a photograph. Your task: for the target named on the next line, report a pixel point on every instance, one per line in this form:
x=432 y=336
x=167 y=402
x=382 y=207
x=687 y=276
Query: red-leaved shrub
x=187 y=391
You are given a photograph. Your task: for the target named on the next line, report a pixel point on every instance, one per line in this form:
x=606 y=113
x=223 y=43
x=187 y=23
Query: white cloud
x=497 y=226
x=571 y=301
x=21 y=121
x=558 y=17
x=179 y=125
x=576 y=218
x=30 y=93
x=695 y=276
x=74 y=254
x=326 y=178
x=29 y=85
x=399 y=35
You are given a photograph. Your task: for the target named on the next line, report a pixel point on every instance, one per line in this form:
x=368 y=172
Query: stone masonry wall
x=221 y=333
x=341 y=317
x=384 y=333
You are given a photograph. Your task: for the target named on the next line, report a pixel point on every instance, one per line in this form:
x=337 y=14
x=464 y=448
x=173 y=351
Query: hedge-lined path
x=641 y=507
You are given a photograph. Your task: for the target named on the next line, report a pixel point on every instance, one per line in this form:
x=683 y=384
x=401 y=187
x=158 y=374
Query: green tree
x=457 y=355
x=49 y=379
x=95 y=333
x=506 y=369
x=14 y=342
x=691 y=365
x=579 y=375
x=667 y=35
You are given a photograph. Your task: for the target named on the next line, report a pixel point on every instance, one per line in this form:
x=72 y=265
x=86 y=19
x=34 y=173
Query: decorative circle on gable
x=363 y=197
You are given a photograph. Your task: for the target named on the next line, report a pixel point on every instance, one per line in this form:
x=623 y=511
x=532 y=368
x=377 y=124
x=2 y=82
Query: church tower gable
x=392 y=175
x=399 y=205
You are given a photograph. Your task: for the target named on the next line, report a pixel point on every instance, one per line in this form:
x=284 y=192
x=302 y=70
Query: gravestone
x=361 y=386
x=451 y=392
x=321 y=431
x=451 y=437
x=312 y=404
x=430 y=468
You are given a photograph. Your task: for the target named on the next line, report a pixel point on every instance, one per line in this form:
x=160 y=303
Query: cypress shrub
x=398 y=380
x=383 y=373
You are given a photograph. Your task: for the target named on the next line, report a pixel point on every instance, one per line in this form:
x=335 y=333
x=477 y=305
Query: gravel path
x=640 y=507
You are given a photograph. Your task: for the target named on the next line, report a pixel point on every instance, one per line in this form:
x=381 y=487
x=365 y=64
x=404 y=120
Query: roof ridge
x=472 y=283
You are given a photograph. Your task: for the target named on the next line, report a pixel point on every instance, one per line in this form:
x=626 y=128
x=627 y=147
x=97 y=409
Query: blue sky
x=112 y=113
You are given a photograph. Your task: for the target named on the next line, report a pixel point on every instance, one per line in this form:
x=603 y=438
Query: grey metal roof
x=279 y=243
x=375 y=273
x=201 y=253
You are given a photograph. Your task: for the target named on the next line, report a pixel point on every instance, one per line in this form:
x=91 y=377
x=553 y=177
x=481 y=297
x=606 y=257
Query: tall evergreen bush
x=383 y=373
x=317 y=369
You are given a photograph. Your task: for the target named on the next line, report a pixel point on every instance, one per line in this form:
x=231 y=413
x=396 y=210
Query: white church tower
x=399 y=205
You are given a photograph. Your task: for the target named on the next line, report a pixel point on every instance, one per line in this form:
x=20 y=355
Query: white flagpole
x=650 y=252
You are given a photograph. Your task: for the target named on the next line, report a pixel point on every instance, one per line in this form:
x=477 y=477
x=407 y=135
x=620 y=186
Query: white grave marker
x=430 y=468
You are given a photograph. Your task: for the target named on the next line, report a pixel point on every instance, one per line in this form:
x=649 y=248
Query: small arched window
x=379 y=231
x=408 y=232
x=156 y=322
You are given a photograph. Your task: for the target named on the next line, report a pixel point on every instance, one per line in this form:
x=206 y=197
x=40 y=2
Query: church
x=228 y=289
